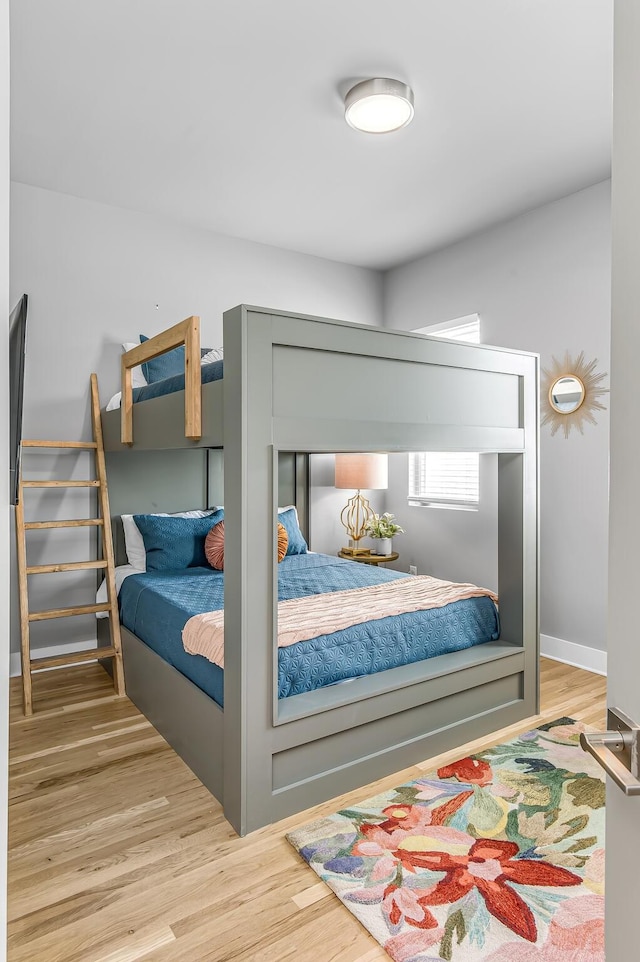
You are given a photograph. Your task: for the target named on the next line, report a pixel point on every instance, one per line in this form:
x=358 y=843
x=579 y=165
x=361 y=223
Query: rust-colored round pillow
x=214 y=545
x=283 y=541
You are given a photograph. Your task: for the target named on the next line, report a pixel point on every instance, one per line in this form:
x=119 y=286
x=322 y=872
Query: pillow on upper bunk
x=171 y=363
x=137 y=375
x=175 y=543
x=214 y=545
x=208 y=357
x=133 y=541
x=164 y=366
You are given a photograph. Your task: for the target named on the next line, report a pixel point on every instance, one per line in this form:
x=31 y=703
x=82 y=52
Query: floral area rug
x=498 y=857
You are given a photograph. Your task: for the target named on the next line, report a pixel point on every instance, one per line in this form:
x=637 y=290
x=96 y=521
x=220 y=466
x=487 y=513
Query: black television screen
x=17 y=345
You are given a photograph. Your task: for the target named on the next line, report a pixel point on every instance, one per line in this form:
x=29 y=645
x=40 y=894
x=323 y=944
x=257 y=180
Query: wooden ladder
x=114 y=651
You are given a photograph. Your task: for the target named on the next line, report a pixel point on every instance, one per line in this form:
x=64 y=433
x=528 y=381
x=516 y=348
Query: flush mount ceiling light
x=379 y=106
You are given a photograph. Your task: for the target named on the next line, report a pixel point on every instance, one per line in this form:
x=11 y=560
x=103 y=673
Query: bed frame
x=292 y=384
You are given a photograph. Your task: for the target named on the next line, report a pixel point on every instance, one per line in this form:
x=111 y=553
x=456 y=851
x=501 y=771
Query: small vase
x=383 y=546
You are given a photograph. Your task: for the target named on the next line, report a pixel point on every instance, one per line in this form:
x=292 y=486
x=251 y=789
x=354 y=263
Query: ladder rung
x=65 y=566
x=71 y=523
x=68 y=612
x=59 y=444
x=72 y=658
x=60 y=484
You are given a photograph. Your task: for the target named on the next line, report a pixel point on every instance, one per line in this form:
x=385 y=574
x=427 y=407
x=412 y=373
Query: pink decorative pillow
x=214 y=545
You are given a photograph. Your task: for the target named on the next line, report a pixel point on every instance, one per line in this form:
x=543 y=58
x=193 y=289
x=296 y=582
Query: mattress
x=156 y=605
x=169 y=385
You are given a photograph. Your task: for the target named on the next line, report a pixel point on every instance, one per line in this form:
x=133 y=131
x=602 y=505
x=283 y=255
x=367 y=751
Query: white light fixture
x=379 y=106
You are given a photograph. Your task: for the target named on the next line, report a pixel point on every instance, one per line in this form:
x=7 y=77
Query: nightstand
x=370 y=559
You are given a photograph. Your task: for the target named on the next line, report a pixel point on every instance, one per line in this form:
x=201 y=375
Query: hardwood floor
x=117 y=853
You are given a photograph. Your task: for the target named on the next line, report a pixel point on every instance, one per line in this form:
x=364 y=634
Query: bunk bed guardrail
x=185 y=333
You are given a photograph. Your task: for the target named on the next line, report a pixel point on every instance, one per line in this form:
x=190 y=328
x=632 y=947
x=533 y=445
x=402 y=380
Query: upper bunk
x=331 y=385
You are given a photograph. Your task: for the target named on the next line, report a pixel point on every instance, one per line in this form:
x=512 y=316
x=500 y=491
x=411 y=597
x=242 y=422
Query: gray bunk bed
x=262 y=757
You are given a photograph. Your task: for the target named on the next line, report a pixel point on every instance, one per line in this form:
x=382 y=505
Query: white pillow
x=137 y=377
x=134 y=542
x=121 y=572
x=215 y=354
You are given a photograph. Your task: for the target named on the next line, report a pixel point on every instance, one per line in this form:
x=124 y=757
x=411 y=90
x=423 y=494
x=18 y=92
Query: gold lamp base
x=356 y=552
x=354 y=517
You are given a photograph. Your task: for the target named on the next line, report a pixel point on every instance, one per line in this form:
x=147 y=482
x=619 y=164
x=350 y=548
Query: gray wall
x=450 y=544
x=4 y=460
x=540 y=282
x=94 y=275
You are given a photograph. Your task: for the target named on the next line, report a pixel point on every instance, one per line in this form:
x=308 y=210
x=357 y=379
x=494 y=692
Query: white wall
x=94 y=275
x=540 y=282
x=4 y=460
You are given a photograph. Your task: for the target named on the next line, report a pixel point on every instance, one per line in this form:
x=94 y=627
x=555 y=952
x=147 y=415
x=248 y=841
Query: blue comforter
x=210 y=372
x=156 y=605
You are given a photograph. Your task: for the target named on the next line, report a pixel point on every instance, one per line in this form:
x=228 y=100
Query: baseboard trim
x=568 y=652
x=15 y=665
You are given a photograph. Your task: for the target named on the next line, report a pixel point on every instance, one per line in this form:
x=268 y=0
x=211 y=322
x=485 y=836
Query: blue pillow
x=164 y=366
x=297 y=544
x=167 y=365
x=175 y=543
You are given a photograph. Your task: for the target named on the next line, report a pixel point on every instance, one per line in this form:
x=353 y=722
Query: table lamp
x=367 y=472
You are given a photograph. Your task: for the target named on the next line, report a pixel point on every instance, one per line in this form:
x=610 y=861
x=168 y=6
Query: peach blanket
x=302 y=618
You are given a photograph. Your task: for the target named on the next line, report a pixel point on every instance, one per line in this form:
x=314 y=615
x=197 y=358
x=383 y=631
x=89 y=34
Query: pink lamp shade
x=366 y=472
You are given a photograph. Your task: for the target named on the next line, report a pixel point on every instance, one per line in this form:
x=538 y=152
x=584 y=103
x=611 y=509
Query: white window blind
x=450 y=479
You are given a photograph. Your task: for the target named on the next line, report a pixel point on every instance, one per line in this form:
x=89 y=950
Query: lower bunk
x=353 y=704
x=447 y=701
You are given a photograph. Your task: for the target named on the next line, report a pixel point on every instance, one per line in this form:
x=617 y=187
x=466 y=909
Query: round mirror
x=566 y=394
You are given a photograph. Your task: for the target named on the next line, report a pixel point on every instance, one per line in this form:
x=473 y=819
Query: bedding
x=137 y=374
x=214 y=545
x=301 y=619
x=121 y=572
x=169 y=385
x=173 y=542
x=166 y=365
x=156 y=606
x=134 y=542
x=161 y=536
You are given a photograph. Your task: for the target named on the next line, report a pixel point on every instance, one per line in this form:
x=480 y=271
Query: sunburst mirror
x=570 y=391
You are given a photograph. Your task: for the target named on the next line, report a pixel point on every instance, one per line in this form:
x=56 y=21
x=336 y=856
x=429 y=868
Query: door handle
x=617 y=750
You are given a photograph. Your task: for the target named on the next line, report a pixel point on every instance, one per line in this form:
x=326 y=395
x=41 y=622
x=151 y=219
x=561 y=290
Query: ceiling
x=228 y=114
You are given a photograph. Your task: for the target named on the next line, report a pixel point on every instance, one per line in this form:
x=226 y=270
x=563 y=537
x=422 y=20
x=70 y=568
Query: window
x=451 y=479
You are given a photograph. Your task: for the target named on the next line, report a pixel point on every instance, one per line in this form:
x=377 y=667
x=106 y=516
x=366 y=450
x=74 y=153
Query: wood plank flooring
x=117 y=853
